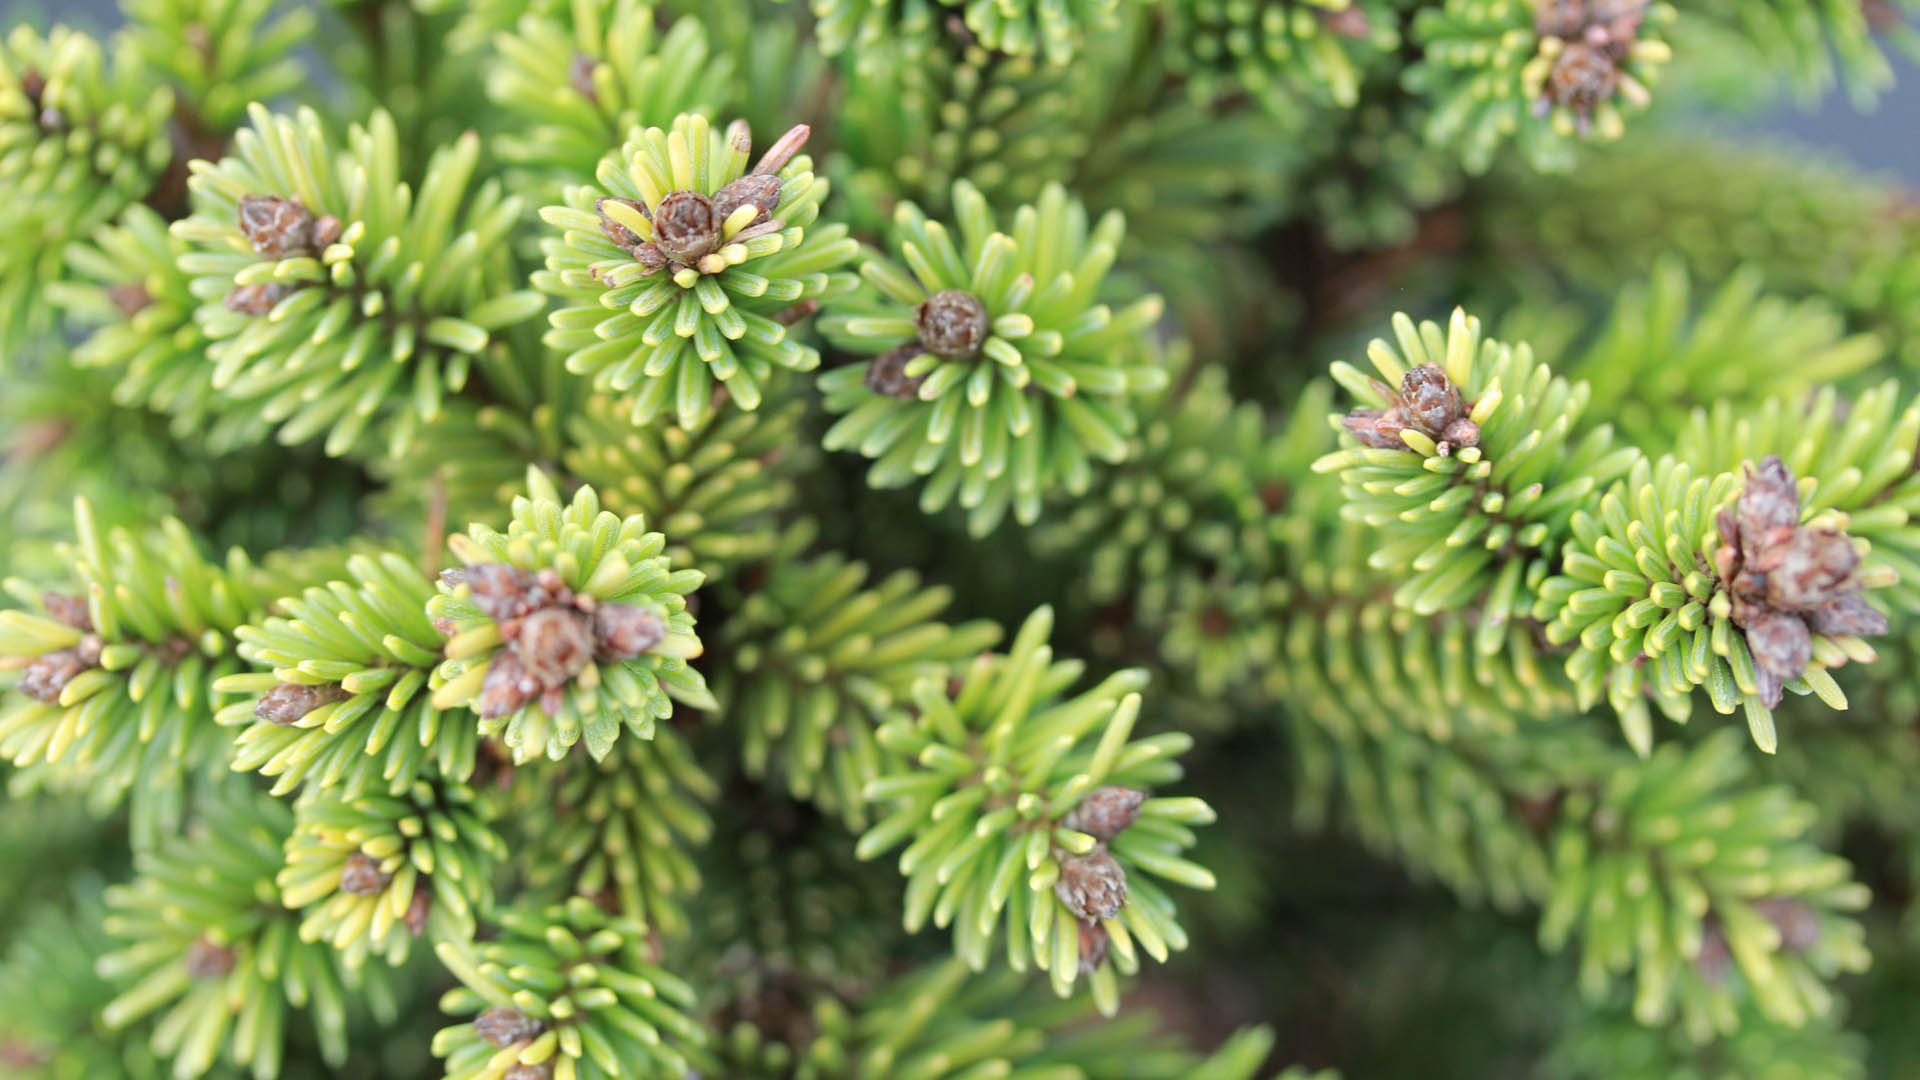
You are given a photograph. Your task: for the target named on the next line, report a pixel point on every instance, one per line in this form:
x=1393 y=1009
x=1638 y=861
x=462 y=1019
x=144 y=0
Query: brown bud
x=1564 y=19
x=1813 y=568
x=1582 y=78
x=362 y=876
x=131 y=298
x=685 y=227
x=887 y=373
x=542 y=1071
x=1459 y=434
x=418 y=909
x=33 y=85
x=1799 y=925
x=621 y=236
x=1378 y=428
x=1094 y=943
x=256 y=299
x=326 y=231
x=207 y=959
x=802 y=310
x=952 y=322
x=1106 y=812
x=288 y=702
x=501 y=692
x=580 y=76
x=49 y=674
x=554 y=645
x=499 y=590
x=68 y=609
x=1093 y=886
x=1769 y=507
x=624 y=630
x=759 y=189
x=1849 y=614
x=502 y=1027
x=275 y=227
x=1781 y=648
x=1431 y=401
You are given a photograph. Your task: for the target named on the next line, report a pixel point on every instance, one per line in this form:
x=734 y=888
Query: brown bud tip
x=256 y=299
x=418 y=909
x=206 y=959
x=1769 y=505
x=621 y=236
x=500 y=690
x=325 y=231
x=131 y=298
x=623 y=630
x=1106 y=812
x=1799 y=925
x=580 y=76
x=1583 y=77
x=542 y=1071
x=1781 y=647
x=362 y=876
x=952 y=322
x=1460 y=433
x=784 y=149
x=1430 y=400
x=1377 y=428
x=1564 y=19
x=33 y=84
x=500 y=590
x=1094 y=943
x=1849 y=614
x=288 y=702
x=1093 y=886
x=49 y=674
x=275 y=227
x=502 y=1028
x=685 y=227
x=887 y=373
x=1813 y=568
x=68 y=608
x=754 y=189
x=554 y=645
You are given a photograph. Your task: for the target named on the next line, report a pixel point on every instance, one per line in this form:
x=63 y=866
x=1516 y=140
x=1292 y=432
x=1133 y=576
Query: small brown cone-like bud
x=362 y=876
x=542 y=1071
x=68 y=609
x=759 y=189
x=952 y=322
x=325 y=231
x=1781 y=648
x=1378 y=428
x=783 y=149
x=1094 y=943
x=554 y=645
x=624 y=630
x=418 y=909
x=1769 y=507
x=1564 y=19
x=501 y=691
x=206 y=959
x=1799 y=925
x=131 y=298
x=1093 y=886
x=500 y=590
x=1106 y=812
x=1582 y=78
x=502 y=1027
x=1460 y=434
x=1812 y=569
x=256 y=299
x=275 y=227
x=50 y=673
x=621 y=236
x=288 y=702
x=1430 y=400
x=887 y=373
x=1850 y=614
x=685 y=227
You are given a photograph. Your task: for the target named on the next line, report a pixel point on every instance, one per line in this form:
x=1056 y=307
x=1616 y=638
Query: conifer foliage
x=954 y=539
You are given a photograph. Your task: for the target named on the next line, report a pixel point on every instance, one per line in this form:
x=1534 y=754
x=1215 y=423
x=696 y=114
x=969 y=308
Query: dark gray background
x=1884 y=140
